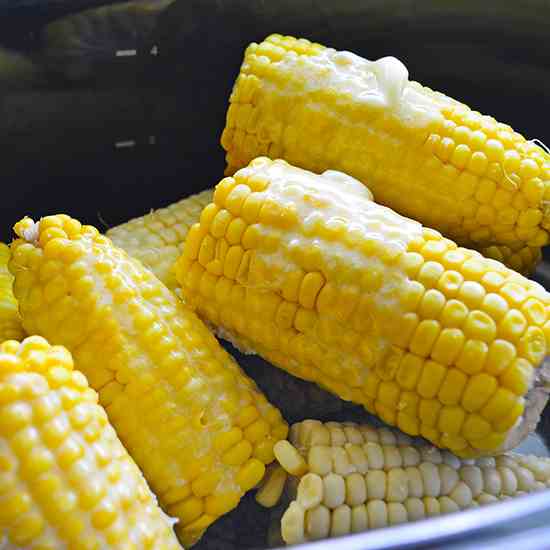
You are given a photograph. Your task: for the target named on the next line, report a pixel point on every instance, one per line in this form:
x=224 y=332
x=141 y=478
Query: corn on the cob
x=76 y=44
x=192 y=420
x=308 y=272
x=356 y=477
x=66 y=481
x=10 y=322
x=423 y=154
x=156 y=239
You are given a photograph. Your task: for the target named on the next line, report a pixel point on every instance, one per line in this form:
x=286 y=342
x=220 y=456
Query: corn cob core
x=156 y=239
x=311 y=274
x=356 y=477
x=194 y=423
x=422 y=153
x=66 y=481
x=10 y=322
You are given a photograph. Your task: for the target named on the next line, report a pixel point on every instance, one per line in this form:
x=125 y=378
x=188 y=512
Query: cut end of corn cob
x=66 y=479
x=310 y=273
x=358 y=477
x=422 y=153
x=156 y=239
x=10 y=322
x=194 y=422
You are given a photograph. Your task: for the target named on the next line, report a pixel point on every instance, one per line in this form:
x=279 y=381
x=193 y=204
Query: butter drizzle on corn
x=353 y=478
x=196 y=425
x=311 y=274
x=420 y=152
x=66 y=481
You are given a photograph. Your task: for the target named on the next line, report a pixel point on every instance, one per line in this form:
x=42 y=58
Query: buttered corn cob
x=420 y=152
x=347 y=478
x=156 y=239
x=10 y=322
x=311 y=274
x=195 y=424
x=66 y=481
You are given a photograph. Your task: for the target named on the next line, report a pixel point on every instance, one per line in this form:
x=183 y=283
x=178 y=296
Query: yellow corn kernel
x=371 y=305
x=161 y=365
x=387 y=484
x=157 y=238
x=10 y=322
x=70 y=501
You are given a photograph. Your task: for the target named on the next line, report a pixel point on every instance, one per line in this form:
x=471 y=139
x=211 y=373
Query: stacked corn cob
x=66 y=481
x=196 y=425
x=156 y=239
x=74 y=44
x=421 y=153
x=10 y=322
x=311 y=274
x=347 y=478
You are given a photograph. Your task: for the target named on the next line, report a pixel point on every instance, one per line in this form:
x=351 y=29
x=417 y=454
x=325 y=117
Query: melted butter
x=365 y=229
x=381 y=85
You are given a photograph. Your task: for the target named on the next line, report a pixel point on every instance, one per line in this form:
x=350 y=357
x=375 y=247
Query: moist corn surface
x=311 y=274
x=10 y=322
x=420 y=152
x=157 y=238
x=66 y=481
x=195 y=424
x=354 y=478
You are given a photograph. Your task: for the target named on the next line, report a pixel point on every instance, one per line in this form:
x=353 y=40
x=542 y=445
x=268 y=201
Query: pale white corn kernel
x=415 y=509
x=430 y=479
x=359 y=519
x=318 y=522
x=415 y=483
x=397 y=513
x=472 y=476
x=378 y=514
x=376 y=484
x=461 y=494
x=319 y=460
x=289 y=458
x=398 y=489
x=334 y=490
x=375 y=455
x=356 y=490
x=310 y=491
x=357 y=457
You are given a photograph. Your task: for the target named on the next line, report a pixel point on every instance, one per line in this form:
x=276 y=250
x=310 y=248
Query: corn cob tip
x=27 y=229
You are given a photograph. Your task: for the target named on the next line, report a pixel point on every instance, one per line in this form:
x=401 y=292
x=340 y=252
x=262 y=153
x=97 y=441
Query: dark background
x=58 y=134
x=58 y=128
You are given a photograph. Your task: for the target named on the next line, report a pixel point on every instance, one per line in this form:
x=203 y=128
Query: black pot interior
x=58 y=135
